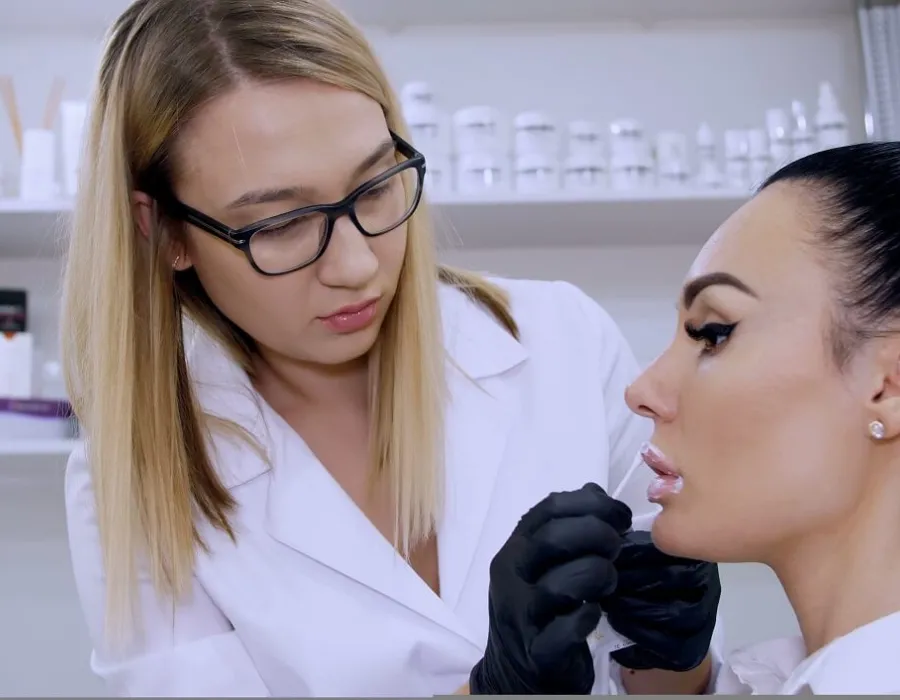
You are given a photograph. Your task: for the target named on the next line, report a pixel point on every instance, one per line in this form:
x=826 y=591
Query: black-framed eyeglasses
x=287 y=242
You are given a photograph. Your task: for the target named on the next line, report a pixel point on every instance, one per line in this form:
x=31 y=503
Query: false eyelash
x=709 y=333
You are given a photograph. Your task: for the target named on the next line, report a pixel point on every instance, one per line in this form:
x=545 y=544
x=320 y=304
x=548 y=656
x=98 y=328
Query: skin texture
x=770 y=435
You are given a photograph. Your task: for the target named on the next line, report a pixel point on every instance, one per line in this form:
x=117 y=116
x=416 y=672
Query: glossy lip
x=352 y=309
x=655 y=459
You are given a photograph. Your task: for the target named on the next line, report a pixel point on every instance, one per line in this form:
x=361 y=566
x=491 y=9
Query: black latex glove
x=665 y=605
x=543 y=602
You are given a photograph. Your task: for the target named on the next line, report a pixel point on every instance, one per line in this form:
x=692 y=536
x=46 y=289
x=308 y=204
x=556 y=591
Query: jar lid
x=533 y=120
x=417 y=91
x=479 y=115
x=626 y=127
x=581 y=128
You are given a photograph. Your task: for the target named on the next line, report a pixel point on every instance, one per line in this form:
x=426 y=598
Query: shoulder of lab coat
x=197 y=656
x=565 y=310
x=859 y=663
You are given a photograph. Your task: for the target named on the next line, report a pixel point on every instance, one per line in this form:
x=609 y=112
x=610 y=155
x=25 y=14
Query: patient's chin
x=680 y=535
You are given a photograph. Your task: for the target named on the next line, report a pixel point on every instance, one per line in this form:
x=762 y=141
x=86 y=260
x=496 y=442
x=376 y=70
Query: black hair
x=855 y=191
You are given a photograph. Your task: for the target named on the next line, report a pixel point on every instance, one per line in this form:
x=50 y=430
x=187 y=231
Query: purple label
x=36 y=408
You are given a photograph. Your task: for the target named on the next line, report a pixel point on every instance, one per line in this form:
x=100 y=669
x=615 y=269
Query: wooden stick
x=53 y=102
x=12 y=111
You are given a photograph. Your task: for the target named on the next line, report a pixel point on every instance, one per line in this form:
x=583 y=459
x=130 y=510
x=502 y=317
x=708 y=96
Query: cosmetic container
x=480 y=173
x=74 y=118
x=536 y=133
x=672 y=167
x=803 y=137
x=536 y=173
x=586 y=140
x=831 y=122
x=708 y=173
x=479 y=130
x=758 y=151
x=778 y=127
x=16 y=345
x=737 y=159
x=38 y=170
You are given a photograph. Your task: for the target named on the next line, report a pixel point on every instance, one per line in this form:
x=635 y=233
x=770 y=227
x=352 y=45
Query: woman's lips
x=354 y=318
x=668 y=481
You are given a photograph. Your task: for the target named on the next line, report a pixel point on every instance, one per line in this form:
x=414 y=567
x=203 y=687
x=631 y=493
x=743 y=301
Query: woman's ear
x=144 y=205
x=885 y=404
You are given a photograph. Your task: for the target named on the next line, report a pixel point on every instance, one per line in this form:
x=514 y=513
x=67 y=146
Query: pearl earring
x=876 y=429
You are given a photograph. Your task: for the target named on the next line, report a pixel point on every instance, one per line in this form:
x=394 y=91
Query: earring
x=876 y=429
x=175 y=263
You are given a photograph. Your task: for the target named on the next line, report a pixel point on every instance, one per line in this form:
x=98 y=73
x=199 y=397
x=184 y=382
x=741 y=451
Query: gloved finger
x=563 y=635
x=690 y=580
x=566 y=539
x=643 y=621
x=638 y=551
x=588 y=500
x=589 y=579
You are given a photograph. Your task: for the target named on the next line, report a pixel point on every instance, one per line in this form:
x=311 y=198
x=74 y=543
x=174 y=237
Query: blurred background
x=596 y=141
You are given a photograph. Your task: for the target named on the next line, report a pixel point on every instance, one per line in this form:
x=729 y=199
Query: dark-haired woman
x=777 y=417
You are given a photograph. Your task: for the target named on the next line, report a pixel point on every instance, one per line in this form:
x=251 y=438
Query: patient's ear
x=885 y=402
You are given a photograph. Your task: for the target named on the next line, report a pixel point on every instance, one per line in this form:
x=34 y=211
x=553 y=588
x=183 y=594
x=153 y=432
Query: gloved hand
x=546 y=583
x=666 y=605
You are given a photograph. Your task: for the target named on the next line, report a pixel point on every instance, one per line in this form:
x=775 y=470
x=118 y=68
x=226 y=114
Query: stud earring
x=876 y=429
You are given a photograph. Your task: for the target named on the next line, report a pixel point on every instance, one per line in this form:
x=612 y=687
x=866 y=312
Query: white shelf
x=43 y=15
x=575 y=220
x=32 y=229
x=36 y=448
x=496 y=221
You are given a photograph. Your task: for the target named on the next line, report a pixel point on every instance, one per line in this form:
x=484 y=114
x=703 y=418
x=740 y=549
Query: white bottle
x=831 y=123
x=737 y=159
x=760 y=160
x=672 y=159
x=778 y=126
x=708 y=173
x=803 y=137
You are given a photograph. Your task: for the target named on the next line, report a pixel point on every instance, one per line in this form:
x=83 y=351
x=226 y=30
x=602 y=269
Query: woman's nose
x=349 y=260
x=653 y=394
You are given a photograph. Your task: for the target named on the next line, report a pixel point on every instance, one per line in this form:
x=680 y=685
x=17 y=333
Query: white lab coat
x=863 y=662
x=313 y=601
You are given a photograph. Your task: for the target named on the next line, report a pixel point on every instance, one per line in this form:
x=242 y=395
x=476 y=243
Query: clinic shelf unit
x=32 y=229
x=95 y=16
x=606 y=218
x=36 y=448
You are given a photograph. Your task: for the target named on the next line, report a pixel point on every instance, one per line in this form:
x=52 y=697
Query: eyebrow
x=693 y=288
x=282 y=194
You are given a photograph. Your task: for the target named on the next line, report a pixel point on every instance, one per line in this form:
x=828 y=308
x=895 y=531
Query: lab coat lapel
x=309 y=512
x=485 y=398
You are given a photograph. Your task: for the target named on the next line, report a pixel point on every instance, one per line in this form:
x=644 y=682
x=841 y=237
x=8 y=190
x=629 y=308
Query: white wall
x=671 y=77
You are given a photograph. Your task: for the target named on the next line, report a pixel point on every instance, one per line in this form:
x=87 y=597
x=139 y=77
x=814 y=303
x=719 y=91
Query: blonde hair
x=122 y=314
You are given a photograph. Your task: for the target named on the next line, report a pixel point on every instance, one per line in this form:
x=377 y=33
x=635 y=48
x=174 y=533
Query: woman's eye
x=712 y=335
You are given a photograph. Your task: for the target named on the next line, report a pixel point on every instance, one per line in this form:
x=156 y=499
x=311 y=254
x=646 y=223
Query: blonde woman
x=308 y=446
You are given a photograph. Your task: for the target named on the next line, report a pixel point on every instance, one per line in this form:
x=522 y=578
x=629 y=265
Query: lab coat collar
x=309 y=512
x=862 y=662
x=859 y=663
